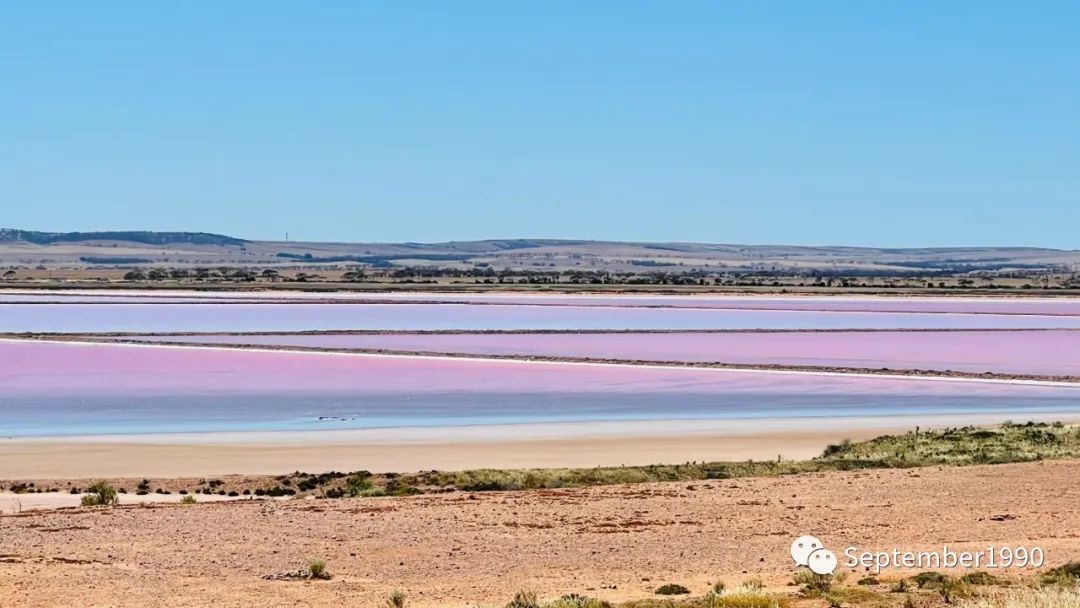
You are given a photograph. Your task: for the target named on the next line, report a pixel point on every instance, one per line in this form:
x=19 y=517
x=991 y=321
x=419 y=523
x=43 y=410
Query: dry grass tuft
x=1047 y=597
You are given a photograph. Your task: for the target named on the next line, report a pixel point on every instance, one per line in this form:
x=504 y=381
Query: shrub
x=745 y=596
x=358 y=484
x=813 y=584
x=317 y=569
x=834 y=449
x=1047 y=597
x=980 y=577
x=1067 y=574
x=396 y=600
x=672 y=589
x=574 y=600
x=101 y=494
x=952 y=588
x=188 y=500
x=524 y=599
x=929 y=580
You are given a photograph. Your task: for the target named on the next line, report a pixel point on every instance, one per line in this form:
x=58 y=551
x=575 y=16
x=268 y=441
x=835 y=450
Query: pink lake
x=1054 y=352
x=1016 y=304
x=57 y=388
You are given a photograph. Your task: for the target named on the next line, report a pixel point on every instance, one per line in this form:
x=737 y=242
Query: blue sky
x=860 y=123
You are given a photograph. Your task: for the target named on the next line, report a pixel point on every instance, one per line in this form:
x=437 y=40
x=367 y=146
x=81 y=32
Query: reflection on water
x=66 y=415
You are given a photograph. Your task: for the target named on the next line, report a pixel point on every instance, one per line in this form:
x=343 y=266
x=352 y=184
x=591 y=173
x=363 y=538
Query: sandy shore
x=13 y=504
x=457 y=549
x=453 y=448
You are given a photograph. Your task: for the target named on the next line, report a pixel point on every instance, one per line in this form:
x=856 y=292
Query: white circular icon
x=803 y=547
x=822 y=561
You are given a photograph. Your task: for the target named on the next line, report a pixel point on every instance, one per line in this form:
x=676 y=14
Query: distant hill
x=130 y=236
x=178 y=249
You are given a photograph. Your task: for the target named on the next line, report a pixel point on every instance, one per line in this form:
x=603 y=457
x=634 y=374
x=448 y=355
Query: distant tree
x=353 y=275
x=9 y=275
x=134 y=275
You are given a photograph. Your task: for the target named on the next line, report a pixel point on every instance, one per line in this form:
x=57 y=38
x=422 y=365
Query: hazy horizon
x=553 y=238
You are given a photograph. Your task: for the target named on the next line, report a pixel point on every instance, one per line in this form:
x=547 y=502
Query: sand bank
x=452 y=448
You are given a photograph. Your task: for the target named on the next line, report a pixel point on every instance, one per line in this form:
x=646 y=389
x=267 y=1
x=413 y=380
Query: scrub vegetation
x=950 y=447
x=940 y=591
x=964 y=446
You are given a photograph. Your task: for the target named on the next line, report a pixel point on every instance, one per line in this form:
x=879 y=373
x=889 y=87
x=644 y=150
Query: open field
x=612 y=542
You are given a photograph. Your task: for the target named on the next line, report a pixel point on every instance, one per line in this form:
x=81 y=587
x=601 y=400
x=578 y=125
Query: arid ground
x=460 y=548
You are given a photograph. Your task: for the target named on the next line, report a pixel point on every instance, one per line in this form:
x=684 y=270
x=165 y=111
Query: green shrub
x=672 y=589
x=396 y=600
x=980 y=577
x=317 y=570
x=1067 y=574
x=524 y=599
x=929 y=580
x=101 y=494
x=358 y=484
x=188 y=500
x=813 y=584
x=574 y=600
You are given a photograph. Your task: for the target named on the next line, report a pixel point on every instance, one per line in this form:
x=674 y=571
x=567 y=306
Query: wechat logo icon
x=809 y=551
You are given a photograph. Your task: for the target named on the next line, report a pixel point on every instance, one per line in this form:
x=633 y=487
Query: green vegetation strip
x=1008 y=443
x=964 y=446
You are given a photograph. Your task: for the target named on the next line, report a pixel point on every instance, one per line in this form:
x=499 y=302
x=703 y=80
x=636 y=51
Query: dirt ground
x=461 y=549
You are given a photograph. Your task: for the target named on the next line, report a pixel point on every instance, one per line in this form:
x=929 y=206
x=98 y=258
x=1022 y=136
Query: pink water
x=91 y=389
x=980 y=305
x=277 y=317
x=1017 y=352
